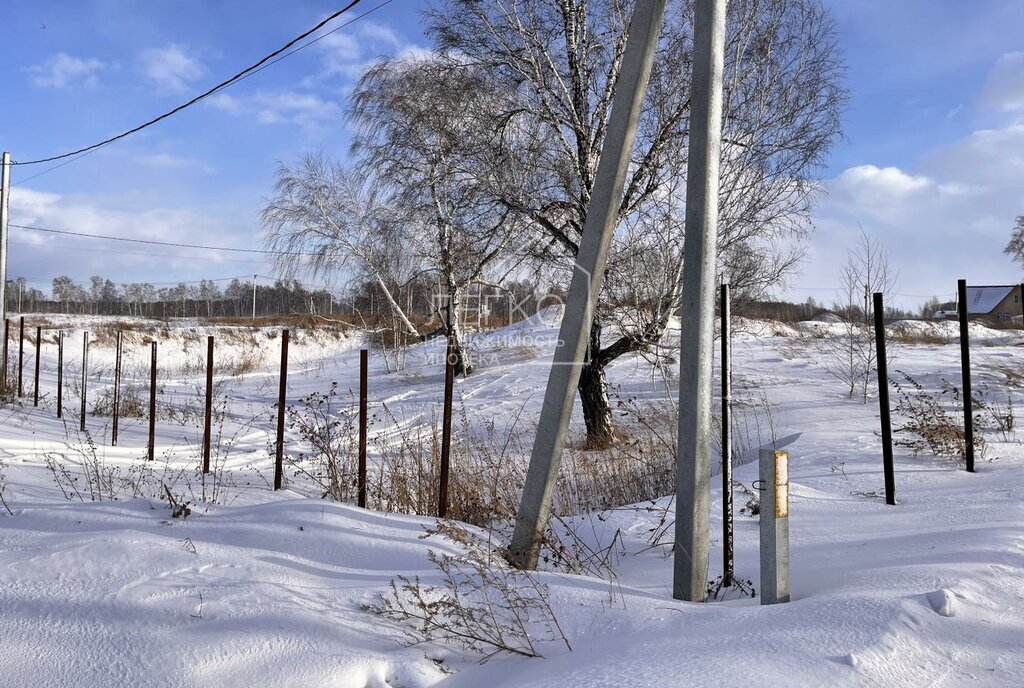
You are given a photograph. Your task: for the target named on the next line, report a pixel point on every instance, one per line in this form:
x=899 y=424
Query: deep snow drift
x=265 y=589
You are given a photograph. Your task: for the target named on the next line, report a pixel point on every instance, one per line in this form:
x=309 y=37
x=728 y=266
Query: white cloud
x=347 y=53
x=171 y=67
x=169 y=161
x=947 y=220
x=306 y=110
x=62 y=70
x=1004 y=87
x=49 y=255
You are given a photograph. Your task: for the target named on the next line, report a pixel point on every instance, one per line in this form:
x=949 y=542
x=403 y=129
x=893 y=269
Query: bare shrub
x=330 y=433
x=926 y=423
x=482 y=604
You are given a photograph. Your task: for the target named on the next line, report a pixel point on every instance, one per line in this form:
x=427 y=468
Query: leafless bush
x=329 y=430
x=925 y=423
x=482 y=604
x=132 y=402
x=3 y=484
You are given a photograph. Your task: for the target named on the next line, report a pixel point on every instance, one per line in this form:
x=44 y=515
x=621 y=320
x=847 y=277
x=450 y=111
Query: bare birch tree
x=428 y=129
x=554 y=64
x=849 y=354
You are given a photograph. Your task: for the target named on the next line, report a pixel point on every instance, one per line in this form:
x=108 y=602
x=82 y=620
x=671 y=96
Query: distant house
x=1001 y=303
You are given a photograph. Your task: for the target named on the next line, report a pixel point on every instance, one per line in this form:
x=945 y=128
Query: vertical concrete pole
x=5 y=220
x=693 y=464
x=254 y=297
x=774 y=517
x=578 y=315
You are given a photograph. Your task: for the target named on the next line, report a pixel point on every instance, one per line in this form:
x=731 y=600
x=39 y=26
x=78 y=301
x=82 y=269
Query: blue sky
x=932 y=166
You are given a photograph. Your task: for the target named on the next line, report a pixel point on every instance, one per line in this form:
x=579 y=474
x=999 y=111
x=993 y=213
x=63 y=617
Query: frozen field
x=258 y=588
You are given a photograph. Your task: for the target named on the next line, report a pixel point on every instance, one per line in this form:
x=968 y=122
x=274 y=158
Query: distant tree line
x=363 y=298
x=205 y=298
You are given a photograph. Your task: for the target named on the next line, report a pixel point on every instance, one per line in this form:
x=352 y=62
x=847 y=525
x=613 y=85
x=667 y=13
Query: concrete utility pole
x=602 y=217
x=254 y=297
x=693 y=463
x=5 y=204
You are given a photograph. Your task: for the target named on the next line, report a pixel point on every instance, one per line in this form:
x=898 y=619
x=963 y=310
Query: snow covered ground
x=267 y=589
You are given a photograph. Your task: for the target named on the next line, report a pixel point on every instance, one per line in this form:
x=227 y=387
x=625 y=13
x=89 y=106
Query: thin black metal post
x=965 y=364
x=1020 y=290
x=363 y=380
x=60 y=373
x=151 y=444
x=21 y=355
x=279 y=458
x=882 y=364
x=207 y=428
x=446 y=428
x=7 y=337
x=728 y=568
x=116 y=411
x=85 y=379
x=35 y=387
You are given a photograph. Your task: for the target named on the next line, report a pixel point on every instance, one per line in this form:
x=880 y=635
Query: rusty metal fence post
x=4 y=374
x=965 y=366
x=208 y=410
x=363 y=383
x=883 y=400
x=279 y=458
x=85 y=379
x=21 y=355
x=60 y=373
x=728 y=565
x=35 y=387
x=151 y=445
x=446 y=428
x=116 y=411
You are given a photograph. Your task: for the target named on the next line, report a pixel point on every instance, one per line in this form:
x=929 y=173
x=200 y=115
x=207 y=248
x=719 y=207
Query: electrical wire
x=167 y=256
x=252 y=69
x=154 y=242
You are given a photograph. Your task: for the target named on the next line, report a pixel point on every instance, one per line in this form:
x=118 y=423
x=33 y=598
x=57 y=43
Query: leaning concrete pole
x=693 y=464
x=5 y=206
x=602 y=217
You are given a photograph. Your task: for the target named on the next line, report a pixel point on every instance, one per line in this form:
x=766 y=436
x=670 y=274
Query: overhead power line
x=222 y=85
x=154 y=242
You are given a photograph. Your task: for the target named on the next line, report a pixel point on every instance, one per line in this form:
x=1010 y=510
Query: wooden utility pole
x=693 y=476
x=585 y=287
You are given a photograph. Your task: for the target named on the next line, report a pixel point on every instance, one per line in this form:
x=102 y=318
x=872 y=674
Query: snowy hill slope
x=268 y=589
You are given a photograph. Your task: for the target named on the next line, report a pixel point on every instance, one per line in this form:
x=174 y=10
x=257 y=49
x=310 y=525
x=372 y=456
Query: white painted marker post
x=774 y=517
